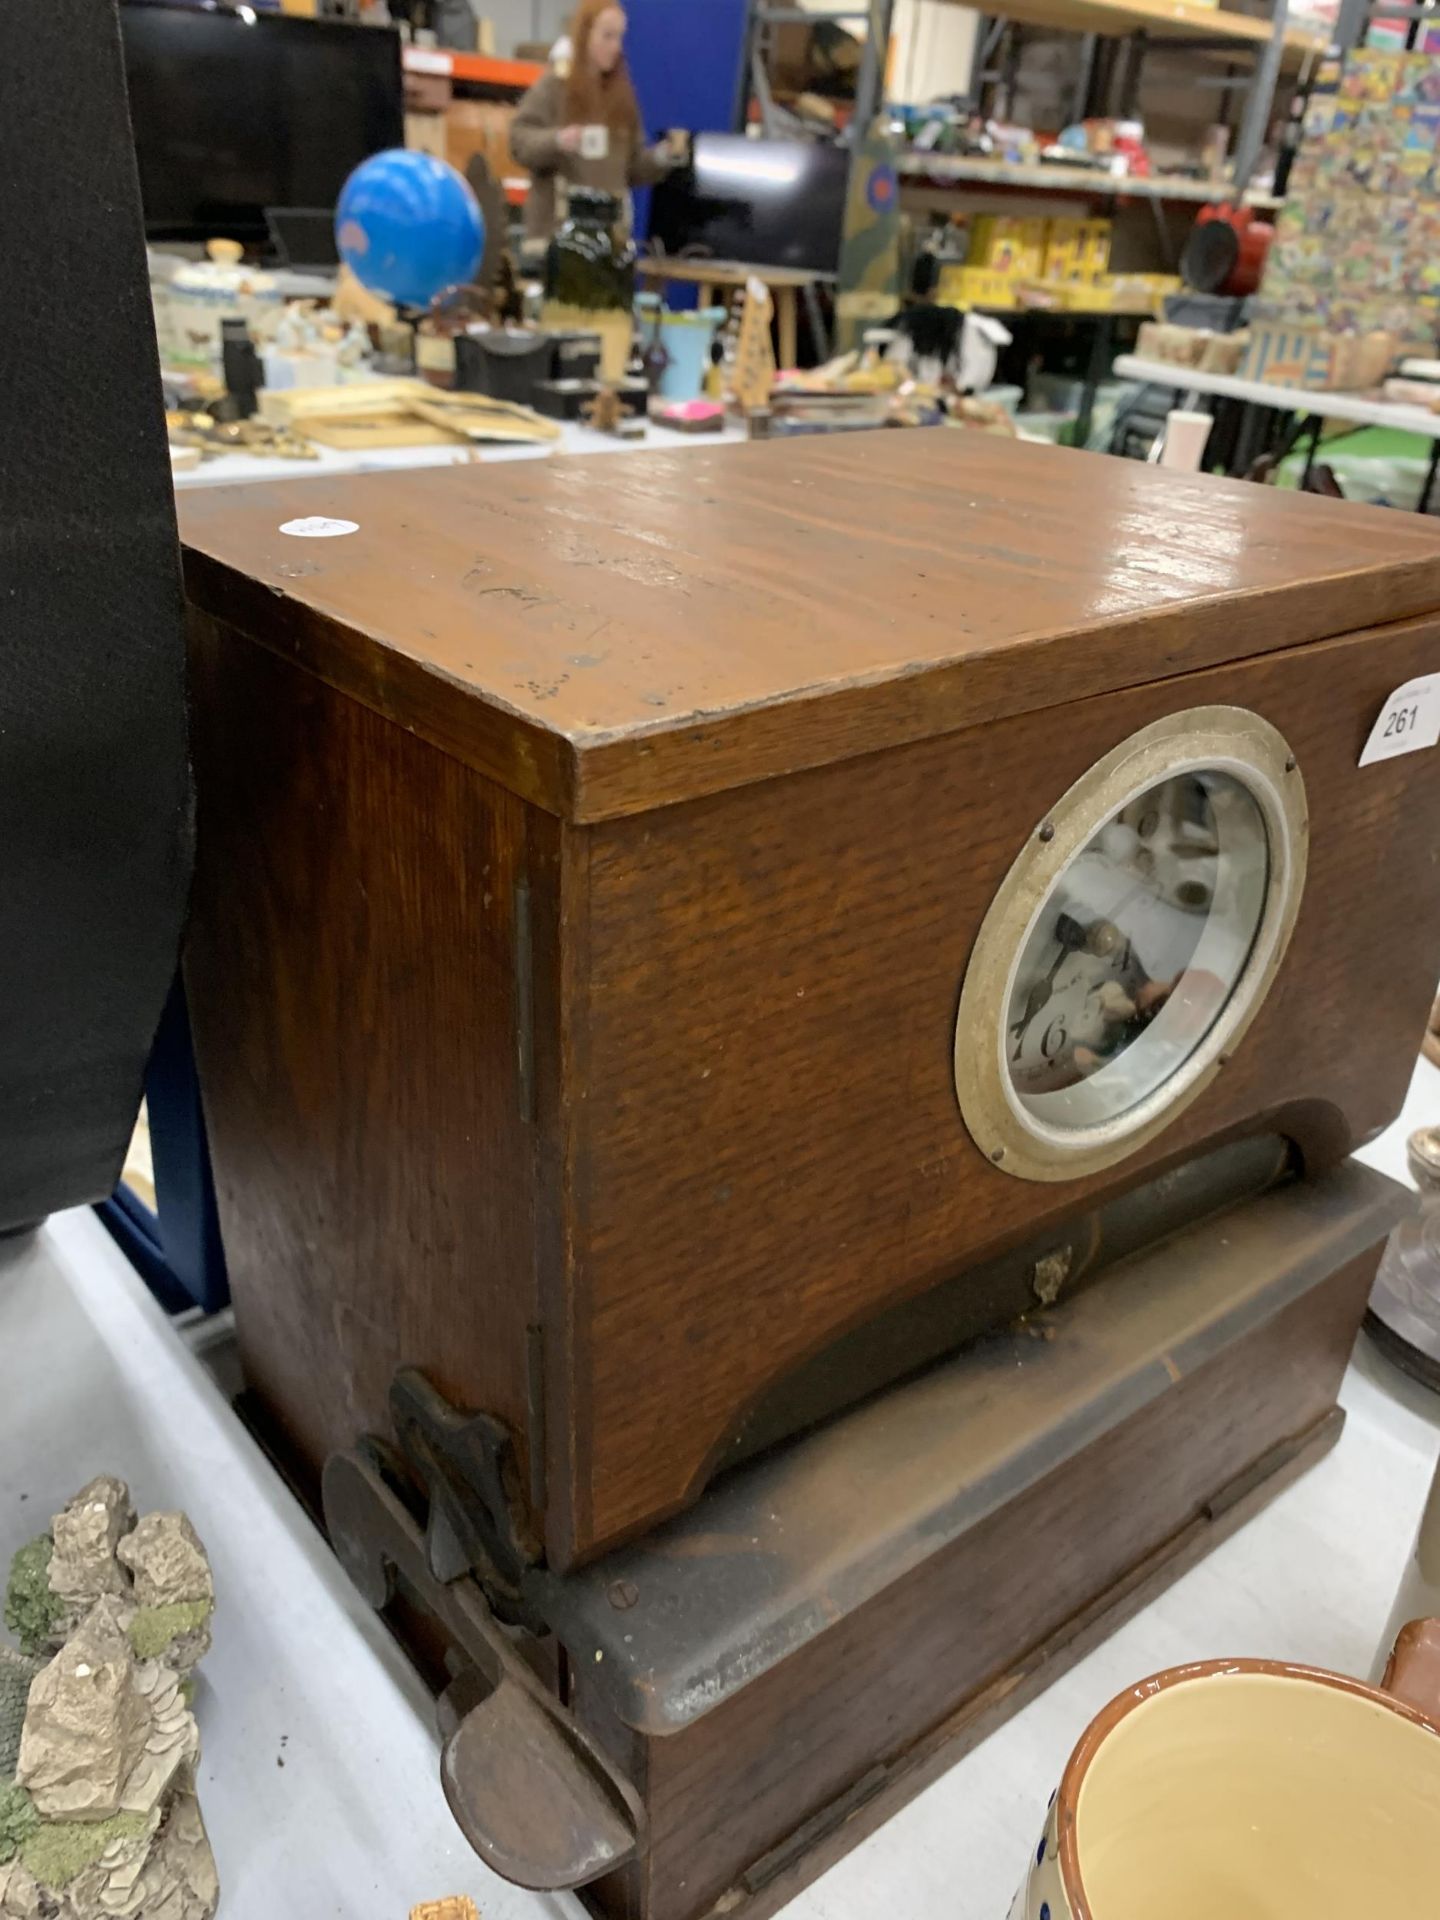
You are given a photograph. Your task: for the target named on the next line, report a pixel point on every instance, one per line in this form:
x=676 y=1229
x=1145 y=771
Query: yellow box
x=1077 y=249
x=977 y=287
x=1005 y=243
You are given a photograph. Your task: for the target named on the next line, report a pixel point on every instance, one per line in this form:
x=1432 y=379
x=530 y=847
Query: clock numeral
x=1054 y=1041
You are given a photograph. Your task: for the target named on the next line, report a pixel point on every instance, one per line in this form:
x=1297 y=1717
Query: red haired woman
x=580 y=123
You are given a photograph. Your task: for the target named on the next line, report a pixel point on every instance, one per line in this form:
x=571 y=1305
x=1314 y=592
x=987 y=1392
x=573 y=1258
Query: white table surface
x=1267 y=393
x=228 y=468
x=93 y=1378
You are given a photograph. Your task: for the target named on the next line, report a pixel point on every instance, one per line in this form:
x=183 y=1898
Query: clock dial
x=1136 y=949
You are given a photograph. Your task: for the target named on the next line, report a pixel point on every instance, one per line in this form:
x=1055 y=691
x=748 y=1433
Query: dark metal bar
x=760 y=81
x=1136 y=47
x=870 y=84
x=1206 y=43
x=1313 y=427
x=1423 y=505
x=1084 y=77
x=819 y=332
x=794 y=16
x=1095 y=371
x=1010 y=70
x=1262 y=96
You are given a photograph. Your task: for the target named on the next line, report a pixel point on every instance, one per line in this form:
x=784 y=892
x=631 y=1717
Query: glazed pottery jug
x=200 y=297
x=590 y=278
x=684 y=340
x=1251 y=1790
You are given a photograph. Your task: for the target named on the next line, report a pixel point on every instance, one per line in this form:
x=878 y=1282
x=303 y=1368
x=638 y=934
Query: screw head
x=998 y=1155
x=622 y=1595
x=1047 y=832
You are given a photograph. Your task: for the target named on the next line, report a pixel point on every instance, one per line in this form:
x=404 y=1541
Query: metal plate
x=779 y=1551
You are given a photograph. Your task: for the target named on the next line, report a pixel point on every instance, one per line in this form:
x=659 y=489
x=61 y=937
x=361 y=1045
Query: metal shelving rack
x=1144 y=26
x=764 y=17
x=1355 y=16
x=874 y=15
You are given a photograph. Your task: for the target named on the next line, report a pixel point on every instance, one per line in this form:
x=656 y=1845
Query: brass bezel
x=1221 y=739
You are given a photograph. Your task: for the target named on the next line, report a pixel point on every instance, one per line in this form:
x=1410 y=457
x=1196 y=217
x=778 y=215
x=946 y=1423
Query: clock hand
x=1069 y=936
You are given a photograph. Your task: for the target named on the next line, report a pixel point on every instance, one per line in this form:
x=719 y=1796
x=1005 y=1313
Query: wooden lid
x=612 y=633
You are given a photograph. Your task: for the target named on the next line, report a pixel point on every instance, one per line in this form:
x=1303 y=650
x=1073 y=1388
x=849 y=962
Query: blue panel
x=177 y=1252
x=686 y=58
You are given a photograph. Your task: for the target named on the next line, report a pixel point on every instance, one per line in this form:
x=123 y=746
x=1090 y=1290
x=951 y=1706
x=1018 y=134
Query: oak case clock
x=657 y=927
x=782 y=1029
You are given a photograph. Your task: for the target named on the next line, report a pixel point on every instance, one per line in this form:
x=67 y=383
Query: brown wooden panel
x=351 y=972
x=604 y=636
x=769 y=1147
x=726 y=1791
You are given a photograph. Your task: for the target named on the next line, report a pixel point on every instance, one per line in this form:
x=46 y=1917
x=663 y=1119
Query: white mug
x=594 y=143
x=1186 y=435
x=1247 y=1787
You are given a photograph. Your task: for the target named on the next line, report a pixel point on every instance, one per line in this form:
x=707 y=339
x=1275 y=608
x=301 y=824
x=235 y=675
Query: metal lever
x=529 y=1789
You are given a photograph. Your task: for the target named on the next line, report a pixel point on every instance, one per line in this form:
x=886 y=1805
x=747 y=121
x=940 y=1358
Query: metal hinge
x=467 y=1465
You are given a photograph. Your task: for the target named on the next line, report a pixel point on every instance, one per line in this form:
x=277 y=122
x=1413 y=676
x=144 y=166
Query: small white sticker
x=317 y=527
x=427 y=60
x=1409 y=720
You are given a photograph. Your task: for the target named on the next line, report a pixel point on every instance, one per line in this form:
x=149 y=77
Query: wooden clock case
x=591 y=854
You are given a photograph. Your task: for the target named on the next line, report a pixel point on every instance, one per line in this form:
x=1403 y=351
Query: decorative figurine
x=98 y=1746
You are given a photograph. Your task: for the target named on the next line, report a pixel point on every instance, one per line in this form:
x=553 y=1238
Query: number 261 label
x=1409 y=720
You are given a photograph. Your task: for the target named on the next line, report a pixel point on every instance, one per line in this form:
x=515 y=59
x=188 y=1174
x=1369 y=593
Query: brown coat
x=533 y=141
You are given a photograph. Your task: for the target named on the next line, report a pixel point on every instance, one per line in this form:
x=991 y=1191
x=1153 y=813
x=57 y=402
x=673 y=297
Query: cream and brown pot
x=1252 y=1790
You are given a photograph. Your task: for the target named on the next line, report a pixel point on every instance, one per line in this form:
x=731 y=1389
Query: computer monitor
x=236 y=111
x=767 y=203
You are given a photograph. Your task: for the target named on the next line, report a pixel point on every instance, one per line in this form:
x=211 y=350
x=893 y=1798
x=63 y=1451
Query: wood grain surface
x=694 y=1119
x=604 y=636
x=837 y=1830
x=351 y=977
x=850 y=1706
x=769 y=1151
x=612 y=1173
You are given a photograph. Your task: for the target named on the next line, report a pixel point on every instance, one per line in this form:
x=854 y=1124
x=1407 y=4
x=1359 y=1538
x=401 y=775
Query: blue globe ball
x=408 y=226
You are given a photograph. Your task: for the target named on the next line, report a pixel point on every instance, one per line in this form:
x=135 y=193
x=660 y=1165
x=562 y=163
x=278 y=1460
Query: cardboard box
x=483 y=127
x=1077 y=249
x=978 y=287
x=425 y=133
x=1113 y=292
x=427 y=92
x=1316 y=358
x=1006 y=243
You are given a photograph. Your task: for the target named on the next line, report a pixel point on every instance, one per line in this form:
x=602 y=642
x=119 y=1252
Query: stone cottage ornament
x=98 y=1746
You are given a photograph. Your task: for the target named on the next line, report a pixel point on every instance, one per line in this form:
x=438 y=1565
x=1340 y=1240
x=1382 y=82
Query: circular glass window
x=1136 y=949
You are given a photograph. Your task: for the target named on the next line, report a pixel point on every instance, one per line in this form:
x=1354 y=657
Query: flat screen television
x=235 y=111
x=766 y=203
